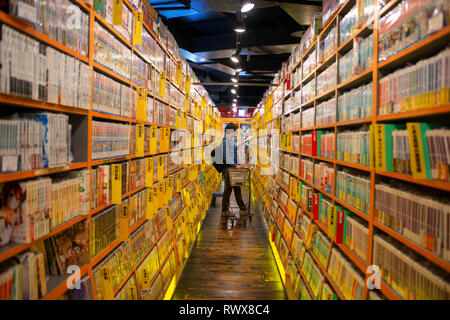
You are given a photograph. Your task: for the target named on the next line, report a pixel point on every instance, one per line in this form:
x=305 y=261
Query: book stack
x=307 y=118
x=306 y=169
x=357 y=60
x=308 y=91
x=408 y=22
x=320 y=247
x=355 y=104
x=110 y=140
x=306 y=141
x=353 y=189
x=137 y=204
x=354 y=147
x=101 y=184
x=324 y=176
x=329 y=7
x=306 y=195
x=125 y=29
x=139 y=71
x=312 y=274
x=406 y=272
x=345 y=276
x=325 y=144
x=423 y=85
x=119 y=264
x=141 y=240
x=347 y=25
x=48 y=75
x=327 y=79
x=355 y=234
x=327 y=46
x=104 y=229
x=68 y=248
x=146 y=273
x=428 y=227
x=111 y=53
x=325 y=112
x=128 y=291
x=309 y=65
x=137 y=173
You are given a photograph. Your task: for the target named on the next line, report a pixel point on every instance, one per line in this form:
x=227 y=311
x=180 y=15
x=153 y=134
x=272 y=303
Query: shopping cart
x=240 y=178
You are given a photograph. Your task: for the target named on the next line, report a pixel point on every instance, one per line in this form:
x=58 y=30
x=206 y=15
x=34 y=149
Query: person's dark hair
x=231 y=126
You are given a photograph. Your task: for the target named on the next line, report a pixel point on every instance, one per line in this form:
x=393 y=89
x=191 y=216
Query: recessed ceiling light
x=235 y=85
x=233 y=91
x=234 y=105
x=235 y=58
x=234 y=100
x=234 y=80
x=247 y=6
x=240 y=27
x=238 y=70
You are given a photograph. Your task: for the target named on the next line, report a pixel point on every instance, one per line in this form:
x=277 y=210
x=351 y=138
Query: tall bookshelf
x=192 y=181
x=274 y=106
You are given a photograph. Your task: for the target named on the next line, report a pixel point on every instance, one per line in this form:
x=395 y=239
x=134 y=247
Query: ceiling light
x=240 y=27
x=238 y=70
x=235 y=85
x=234 y=100
x=234 y=109
x=234 y=105
x=234 y=80
x=233 y=91
x=235 y=58
x=247 y=6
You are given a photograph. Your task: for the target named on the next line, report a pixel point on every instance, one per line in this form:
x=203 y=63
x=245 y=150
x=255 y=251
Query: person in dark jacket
x=228 y=149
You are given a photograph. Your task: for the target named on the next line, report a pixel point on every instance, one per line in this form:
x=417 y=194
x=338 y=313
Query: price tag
x=153 y=138
x=139 y=140
x=162 y=83
x=137 y=30
x=166 y=139
x=187 y=197
x=117 y=12
x=124 y=222
x=160 y=172
x=149 y=172
x=179 y=73
x=161 y=198
x=204 y=106
x=116 y=188
x=108 y=292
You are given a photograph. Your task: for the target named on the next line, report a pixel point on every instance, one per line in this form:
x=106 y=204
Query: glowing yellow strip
x=277 y=259
x=171 y=289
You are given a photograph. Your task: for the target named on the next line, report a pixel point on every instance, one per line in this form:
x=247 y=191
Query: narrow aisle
x=230 y=263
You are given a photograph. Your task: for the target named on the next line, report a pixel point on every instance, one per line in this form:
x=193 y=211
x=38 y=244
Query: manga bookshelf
x=138 y=211
x=330 y=237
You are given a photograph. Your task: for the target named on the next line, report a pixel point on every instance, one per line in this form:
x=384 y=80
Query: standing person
x=229 y=151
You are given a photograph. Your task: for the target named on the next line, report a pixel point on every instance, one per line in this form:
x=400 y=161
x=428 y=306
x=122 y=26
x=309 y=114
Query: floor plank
x=230 y=263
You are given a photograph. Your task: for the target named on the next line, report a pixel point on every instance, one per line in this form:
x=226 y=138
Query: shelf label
x=137 y=30
x=162 y=83
x=204 y=106
x=150 y=206
x=187 y=88
x=186 y=103
x=139 y=140
x=153 y=138
x=132 y=293
x=149 y=172
x=160 y=173
x=161 y=199
x=116 y=188
x=171 y=181
x=117 y=12
x=166 y=191
x=166 y=139
x=169 y=221
x=141 y=104
x=178 y=121
x=108 y=292
x=179 y=73
x=124 y=222
x=185 y=120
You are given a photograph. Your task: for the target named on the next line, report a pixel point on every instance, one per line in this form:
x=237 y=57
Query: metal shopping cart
x=240 y=178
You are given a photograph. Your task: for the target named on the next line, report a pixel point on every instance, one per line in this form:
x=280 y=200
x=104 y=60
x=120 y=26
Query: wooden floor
x=230 y=263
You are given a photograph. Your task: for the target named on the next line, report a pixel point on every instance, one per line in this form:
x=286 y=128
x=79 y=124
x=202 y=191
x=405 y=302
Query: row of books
x=55 y=21
x=325 y=144
x=407 y=273
x=327 y=45
x=34 y=140
x=345 y=276
x=104 y=229
x=320 y=247
x=326 y=80
x=425 y=84
x=111 y=53
x=356 y=103
x=309 y=64
x=291 y=122
x=353 y=147
x=307 y=118
x=348 y=25
x=126 y=27
x=309 y=91
x=357 y=60
x=112 y=97
x=312 y=274
x=34 y=70
x=325 y=112
x=110 y=140
x=32 y=208
x=417 y=147
x=408 y=22
x=324 y=176
x=353 y=189
x=427 y=227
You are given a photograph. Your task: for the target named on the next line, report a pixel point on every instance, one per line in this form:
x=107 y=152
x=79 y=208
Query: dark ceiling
x=204 y=32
